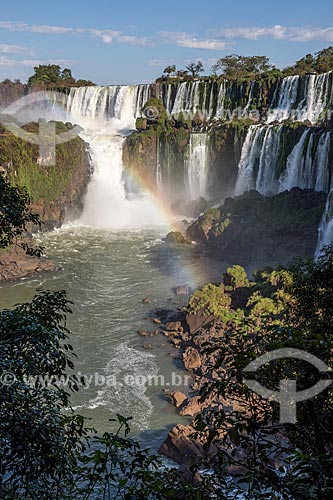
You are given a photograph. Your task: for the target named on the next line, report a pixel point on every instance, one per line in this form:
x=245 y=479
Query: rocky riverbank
x=188 y=333
x=16 y=264
x=211 y=313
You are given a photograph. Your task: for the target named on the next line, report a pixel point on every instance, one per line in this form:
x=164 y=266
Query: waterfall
x=257 y=166
x=265 y=165
x=221 y=99
x=187 y=98
x=294 y=174
x=325 y=230
x=197 y=165
x=302 y=98
x=107 y=115
x=250 y=100
x=322 y=161
x=120 y=102
x=286 y=98
x=308 y=164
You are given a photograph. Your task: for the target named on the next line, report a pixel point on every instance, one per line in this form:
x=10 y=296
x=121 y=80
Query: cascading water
x=249 y=161
x=273 y=157
x=197 y=165
x=325 y=230
x=264 y=165
x=107 y=115
x=286 y=98
x=296 y=173
x=220 y=100
x=187 y=98
x=302 y=98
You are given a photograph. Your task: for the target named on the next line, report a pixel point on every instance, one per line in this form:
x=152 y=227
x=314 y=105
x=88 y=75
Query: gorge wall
x=225 y=138
x=193 y=140
x=57 y=190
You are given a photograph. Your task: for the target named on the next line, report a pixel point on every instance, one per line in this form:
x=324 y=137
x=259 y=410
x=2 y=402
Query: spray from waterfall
x=107 y=115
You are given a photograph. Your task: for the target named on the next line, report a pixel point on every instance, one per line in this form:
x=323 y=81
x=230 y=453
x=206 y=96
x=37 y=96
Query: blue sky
x=132 y=41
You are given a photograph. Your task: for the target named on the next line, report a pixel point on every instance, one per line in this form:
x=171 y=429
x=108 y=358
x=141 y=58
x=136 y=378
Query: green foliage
x=47 y=453
x=175 y=237
x=169 y=70
x=211 y=215
x=195 y=68
x=235 y=66
x=15 y=213
x=141 y=124
x=320 y=62
x=235 y=277
x=45 y=73
x=213 y=299
x=20 y=158
x=287 y=308
x=182 y=74
x=51 y=75
x=155 y=112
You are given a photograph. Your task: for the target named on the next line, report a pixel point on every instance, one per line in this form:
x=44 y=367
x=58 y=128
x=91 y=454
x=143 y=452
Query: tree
x=195 y=68
x=66 y=75
x=236 y=66
x=289 y=308
x=15 y=213
x=169 y=70
x=181 y=73
x=84 y=83
x=320 y=62
x=51 y=75
x=45 y=73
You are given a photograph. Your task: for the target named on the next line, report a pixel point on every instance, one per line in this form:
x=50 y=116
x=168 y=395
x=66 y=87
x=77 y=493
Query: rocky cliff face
x=163 y=158
x=254 y=230
x=56 y=191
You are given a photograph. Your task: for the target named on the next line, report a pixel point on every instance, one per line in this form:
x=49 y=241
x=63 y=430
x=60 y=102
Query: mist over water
x=107 y=116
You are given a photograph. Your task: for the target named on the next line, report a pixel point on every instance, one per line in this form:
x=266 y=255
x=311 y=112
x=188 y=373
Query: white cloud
x=13 y=49
x=107 y=36
x=278 y=32
x=183 y=39
x=16 y=26
x=30 y=63
x=135 y=40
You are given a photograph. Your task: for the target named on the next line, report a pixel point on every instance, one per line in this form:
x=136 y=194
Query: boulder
x=191 y=358
x=142 y=333
x=198 y=320
x=175 y=237
x=192 y=407
x=177 y=398
x=173 y=326
x=182 y=289
x=179 y=447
